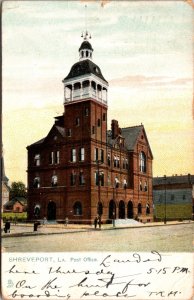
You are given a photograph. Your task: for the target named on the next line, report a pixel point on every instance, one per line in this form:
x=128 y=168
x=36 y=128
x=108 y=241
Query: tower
x=85 y=123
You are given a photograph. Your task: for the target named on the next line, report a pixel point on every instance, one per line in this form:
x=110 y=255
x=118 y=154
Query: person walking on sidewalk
x=95 y=222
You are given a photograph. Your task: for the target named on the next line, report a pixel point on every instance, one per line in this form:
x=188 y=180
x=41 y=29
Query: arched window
x=77 y=208
x=139 y=210
x=147 y=209
x=142 y=162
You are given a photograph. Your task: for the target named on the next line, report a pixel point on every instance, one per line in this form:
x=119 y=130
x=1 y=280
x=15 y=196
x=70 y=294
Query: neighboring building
x=178 y=193
x=81 y=169
x=17 y=204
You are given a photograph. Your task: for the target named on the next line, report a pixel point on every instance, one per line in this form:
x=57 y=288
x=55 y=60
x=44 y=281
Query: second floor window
x=36 y=182
x=108 y=159
x=81 y=154
x=54 y=180
x=73 y=178
x=102 y=155
x=81 y=178
x=51 y=158
x=73 y=155
x=95 y=154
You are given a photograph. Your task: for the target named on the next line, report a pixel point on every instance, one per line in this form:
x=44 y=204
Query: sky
x=144 y=50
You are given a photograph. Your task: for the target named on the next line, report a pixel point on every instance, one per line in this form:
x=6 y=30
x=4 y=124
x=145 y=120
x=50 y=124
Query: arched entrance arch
x=51 y=210
x=130 y=210
x=112 y=209
x=121 y=209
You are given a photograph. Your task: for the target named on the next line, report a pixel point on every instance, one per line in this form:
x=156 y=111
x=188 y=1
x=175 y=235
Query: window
x=54 y=180
x=125 y=163
x=172 y=197
x=57 y=157
x=108 y=159
x=147 y=209
x=73 y=155
x=36 y=182
x=51 y=158
x=184 y=197
x=86 y=112
x=145 y=186
x=116 y=162
x=99 y=178
x=95 y=154
x=69 y=132
x=54 y=157
x=37 y=160
x=102 y=155
x=77 y=208
x=73 y=178
x=140 y=185
x=81 y=154
x=142 y=162
x=77 y=121
x=81 y=178
x=116 y=182
x=99 y=123
x=124 y=183
x=93 y=129
x=104 y=117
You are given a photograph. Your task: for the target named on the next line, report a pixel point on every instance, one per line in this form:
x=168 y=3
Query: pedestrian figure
x=44 y=221
x=36 y=225
x=7 y=227
x=99 y=222
x=95 y=222
x=66 y=221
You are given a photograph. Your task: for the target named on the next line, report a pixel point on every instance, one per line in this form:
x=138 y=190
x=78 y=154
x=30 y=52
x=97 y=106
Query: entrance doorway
x=112 y=210
x=51 y=211
x=130 y=210
x=121 y=209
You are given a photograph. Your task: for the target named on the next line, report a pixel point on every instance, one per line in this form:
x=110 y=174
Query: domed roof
x=85 y=67
x=86 y=45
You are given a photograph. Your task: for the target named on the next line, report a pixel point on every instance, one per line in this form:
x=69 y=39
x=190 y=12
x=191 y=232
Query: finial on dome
x=86 y=35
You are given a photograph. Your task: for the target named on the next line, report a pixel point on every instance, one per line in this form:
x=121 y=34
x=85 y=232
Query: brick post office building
x=81 y=169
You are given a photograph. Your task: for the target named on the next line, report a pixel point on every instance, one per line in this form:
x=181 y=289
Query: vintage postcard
x=97 y=150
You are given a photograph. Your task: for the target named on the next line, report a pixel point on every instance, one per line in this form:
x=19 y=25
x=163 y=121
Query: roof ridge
x=135 y=126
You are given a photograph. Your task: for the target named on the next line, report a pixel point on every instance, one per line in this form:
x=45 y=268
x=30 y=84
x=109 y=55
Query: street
x=175 y=238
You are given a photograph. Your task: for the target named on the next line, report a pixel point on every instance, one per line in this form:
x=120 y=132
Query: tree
x=18 y=189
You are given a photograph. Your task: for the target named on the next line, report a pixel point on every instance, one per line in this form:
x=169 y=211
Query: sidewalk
x=28 y=229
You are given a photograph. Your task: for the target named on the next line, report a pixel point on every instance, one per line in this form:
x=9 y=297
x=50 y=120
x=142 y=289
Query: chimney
x=114 y=128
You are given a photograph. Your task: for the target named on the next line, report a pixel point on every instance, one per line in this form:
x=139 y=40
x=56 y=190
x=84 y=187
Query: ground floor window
x=77 y=208
x=139 y=209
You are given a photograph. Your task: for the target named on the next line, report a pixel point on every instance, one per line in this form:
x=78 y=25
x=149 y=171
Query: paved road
x=165 y=238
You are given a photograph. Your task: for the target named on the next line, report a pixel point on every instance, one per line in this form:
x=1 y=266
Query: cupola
x=85 y=50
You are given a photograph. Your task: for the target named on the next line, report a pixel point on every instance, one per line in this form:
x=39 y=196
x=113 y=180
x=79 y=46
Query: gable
x=55 y=135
